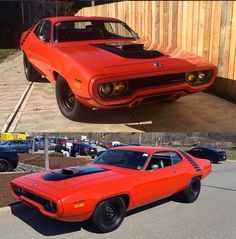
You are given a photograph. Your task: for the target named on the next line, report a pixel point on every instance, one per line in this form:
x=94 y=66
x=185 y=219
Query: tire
x=29 y=151
x=69 y=106
x=30 y=73
x=191 y=193
x=108 y=215
x=4 y=165
x=215 y=160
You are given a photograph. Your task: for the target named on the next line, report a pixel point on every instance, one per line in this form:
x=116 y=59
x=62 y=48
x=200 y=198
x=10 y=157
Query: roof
x=79 y=18
x=144 y=148
x=209 y=148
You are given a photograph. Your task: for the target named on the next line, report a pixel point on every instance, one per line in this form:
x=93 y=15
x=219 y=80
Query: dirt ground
x=6 y=197
x=54 y=161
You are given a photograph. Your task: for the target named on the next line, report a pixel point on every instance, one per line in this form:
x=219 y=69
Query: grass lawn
x=4 y=53
x=231 y=154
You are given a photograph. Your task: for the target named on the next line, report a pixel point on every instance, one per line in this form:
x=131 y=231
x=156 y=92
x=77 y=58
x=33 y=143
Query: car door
x=39 y=47
x=154 y=184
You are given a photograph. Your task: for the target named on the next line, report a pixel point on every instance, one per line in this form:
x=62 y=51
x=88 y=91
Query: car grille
x=42 y=201
x=153 y=81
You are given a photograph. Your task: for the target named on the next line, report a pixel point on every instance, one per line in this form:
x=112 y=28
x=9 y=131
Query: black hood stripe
x=67 y=173
x=129 y=50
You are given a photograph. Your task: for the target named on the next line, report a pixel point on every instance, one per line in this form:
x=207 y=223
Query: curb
x=230 y=161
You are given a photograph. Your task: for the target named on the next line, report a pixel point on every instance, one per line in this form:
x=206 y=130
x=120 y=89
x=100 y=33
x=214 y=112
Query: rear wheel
x=108 y=215
x=191 y=193
x=68 y=104
x=30 y=73
x=4 y=165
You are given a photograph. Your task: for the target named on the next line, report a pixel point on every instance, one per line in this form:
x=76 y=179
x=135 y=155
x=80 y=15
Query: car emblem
x=34 y=184
x=158 y=64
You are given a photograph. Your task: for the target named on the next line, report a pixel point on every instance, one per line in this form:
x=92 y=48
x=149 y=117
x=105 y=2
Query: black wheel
x=215 y=160
x=4 y=165
x=29 y=151
x=108 y=215
x=30 y=73
x=191 y=193
x=69 y=106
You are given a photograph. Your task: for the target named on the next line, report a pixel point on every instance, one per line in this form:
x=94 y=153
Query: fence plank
x=206 y=28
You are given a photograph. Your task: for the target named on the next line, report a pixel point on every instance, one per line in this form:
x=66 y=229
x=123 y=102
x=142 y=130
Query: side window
x=175 y=157
x=37 y=30
x=44 y=29
x=161 y=159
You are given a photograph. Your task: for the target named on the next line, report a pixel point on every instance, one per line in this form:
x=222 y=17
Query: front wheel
x=30 y=73
x=108 y=215
x=191 y=193
x=4 y=165
x=68 y=104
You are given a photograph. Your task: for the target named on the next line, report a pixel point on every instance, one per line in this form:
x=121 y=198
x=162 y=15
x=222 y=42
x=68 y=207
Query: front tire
x=69 y=106
x=4 y=165
x=191 y=193
x=30 y=73
x=108 y=215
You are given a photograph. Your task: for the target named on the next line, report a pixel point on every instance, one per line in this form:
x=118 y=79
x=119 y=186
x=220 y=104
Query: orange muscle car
x=99 y=63
x=119 y=180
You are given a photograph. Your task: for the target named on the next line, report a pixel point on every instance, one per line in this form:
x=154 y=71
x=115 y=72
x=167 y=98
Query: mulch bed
x=6 y=197
x=55 y=162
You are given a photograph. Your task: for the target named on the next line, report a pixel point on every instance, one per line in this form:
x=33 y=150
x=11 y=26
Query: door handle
x=174 y=171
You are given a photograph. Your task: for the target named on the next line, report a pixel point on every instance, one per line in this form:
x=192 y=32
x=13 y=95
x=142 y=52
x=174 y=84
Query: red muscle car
x=118 y=180
x=99 y=63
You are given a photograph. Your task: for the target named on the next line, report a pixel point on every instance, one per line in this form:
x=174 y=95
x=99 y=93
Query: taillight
x=86 y=150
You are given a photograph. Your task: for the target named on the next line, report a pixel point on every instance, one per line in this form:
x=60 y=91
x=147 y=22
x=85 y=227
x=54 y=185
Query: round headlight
x=105 y=89
x=201 y=76
x=191 y=77
x=120 y=87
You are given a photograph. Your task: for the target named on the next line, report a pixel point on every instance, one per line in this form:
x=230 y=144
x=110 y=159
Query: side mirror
x=43 y=38
x=154 y=167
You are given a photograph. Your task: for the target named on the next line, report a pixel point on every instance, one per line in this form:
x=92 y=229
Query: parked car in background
x=213 y=154
x=21 y=146
x=8 y=159
x=51 y=144
x=118 y=181
x=83 y=150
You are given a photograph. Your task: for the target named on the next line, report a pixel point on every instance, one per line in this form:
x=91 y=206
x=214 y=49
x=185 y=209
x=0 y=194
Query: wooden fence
x=206 y=28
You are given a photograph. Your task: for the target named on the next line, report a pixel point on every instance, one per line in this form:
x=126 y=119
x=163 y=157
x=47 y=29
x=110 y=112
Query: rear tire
x=68 y=104
x=191 y=193
x=108 y=215
x=30 y=73
x=4 y=165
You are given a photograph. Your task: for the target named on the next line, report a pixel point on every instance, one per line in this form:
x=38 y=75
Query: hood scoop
x=129 y=50
x=67 y=173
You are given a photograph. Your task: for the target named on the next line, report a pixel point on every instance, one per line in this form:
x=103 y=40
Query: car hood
x=107 y=61
x=59 y=183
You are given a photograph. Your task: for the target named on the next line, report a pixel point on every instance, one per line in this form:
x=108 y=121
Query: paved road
x=38 y=110
x=211 y=216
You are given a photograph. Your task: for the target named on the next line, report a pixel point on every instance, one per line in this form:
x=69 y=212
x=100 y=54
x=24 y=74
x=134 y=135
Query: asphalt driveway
x=33 y=107
x=212 y=216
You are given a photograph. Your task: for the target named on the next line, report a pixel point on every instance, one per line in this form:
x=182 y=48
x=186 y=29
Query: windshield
x=3 y=142
x=123 y=158
x=91 y=30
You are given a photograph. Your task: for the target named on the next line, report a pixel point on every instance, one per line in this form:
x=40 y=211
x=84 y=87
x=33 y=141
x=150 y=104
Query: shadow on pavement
x=44 y=225
x=50 y=227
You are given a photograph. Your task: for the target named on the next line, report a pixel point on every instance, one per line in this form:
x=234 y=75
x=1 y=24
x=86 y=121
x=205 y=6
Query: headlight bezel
x=199 y=80
x=114 y=92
